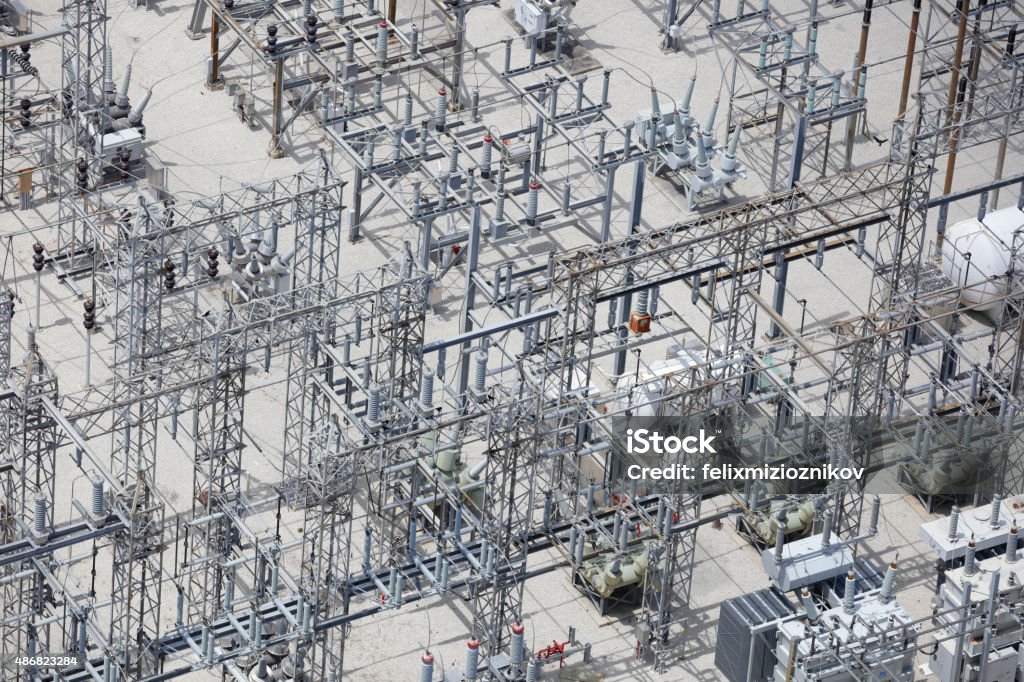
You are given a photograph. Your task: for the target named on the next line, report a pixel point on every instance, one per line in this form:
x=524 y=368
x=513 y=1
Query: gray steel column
x=797 y=161
x=277 y=118
x=779 y=300
x=356 y=211
x=469 y=299
x=606 y=211
x=195 y=24
x=636 y=204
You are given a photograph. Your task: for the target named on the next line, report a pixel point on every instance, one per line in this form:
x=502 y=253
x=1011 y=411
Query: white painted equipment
x=537 y=16
x=983 y=647
x=807 y=561
x=646 y=394
x=875 y=632
x=974 y=523
x=109 y=146
x=976 y=255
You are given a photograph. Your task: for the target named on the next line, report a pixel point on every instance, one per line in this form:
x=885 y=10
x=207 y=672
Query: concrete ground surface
x=207 y=150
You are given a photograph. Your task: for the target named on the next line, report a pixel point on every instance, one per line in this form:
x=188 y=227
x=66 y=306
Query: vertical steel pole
x=213 y=75
x=1001 y=155
x=908 y=62
x=469 y=299
x=455 y=103
x=862 y=50
x=277 y=119
x=636 y=204
x=606 y=209
x=958 y=56
x=954 y=139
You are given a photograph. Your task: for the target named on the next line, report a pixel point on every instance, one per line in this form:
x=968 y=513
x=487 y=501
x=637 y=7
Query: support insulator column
x=850 y=593
x=40 y=508
x=532 y=201
x=427 y=667
x=441 y=111
x=472 y=659
x=382 y=43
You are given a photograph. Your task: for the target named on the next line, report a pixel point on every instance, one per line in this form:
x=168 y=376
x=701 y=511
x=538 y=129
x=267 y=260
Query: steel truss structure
x=413 y=466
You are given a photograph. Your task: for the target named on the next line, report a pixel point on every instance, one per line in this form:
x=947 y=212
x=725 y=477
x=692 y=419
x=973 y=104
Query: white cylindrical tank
x=976 y=257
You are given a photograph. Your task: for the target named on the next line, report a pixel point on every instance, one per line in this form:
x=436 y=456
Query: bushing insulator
x=89 y=317
x=211 y=263
x=272 y=38
x=169 y=276
x=37 y=257
x=82 y=169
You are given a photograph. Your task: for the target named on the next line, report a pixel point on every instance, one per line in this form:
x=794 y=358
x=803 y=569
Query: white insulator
x=426 y=667
x=480 y=373
x=532 y=201
x=1011 y=546
x=382 y=42
x=441 y=112
x=407 y=113
x=486 y=151
x=122 y=93
x=993 y=520
x=135 y=116
x=427 y=388
x=499 y=206
x=889 y=582
x=339 y=10
x=970 y=561
x=809 y=607
x=108 y=70
x=472 y=659
x=533 y=670
x=373 y=404
x=453 y=159
x=516 y=645
x=954 y=519
x=703 y=168
x=708 y=132
x=734 y=142
x=396 y=141
x=98 y=506
x=850 y=592
x=39 y=515
x=641 y=302
x=350 y=46
x=684 y=108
